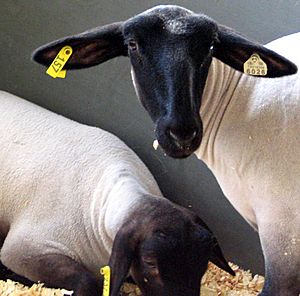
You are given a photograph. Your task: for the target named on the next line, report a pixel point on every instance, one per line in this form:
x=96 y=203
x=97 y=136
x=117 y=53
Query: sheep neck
x=221 y=92
x=119 y=191
x=220 y=86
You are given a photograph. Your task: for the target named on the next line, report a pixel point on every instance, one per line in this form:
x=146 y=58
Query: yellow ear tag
x=55 y=69
x=105 y=271
x=255 y=66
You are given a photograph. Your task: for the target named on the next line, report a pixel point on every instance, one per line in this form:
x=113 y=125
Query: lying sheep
x=248 y=127
x=71 y=195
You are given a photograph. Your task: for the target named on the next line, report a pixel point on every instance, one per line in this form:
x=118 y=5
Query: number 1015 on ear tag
x=55 y=69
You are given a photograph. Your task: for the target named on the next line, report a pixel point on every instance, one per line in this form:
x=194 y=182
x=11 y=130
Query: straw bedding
x=215 y=282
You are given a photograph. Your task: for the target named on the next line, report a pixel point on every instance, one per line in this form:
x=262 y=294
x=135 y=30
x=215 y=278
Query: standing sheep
x=71 y=195
x=248 y=127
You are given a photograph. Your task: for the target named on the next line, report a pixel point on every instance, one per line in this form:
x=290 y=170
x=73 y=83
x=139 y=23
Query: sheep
x=75 y=198
x=188 y=74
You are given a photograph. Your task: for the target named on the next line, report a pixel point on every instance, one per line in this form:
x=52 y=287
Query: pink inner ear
x=89 y=54
x=87 y=57
x=277 y=64
x=90 y=47
x=86 y=51
x=50 y=55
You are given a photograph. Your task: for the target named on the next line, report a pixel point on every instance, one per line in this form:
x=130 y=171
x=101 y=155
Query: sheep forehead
x=172 y=16
x=175 y=26
x=168 y=11
x=175 y=248
x=174 y=238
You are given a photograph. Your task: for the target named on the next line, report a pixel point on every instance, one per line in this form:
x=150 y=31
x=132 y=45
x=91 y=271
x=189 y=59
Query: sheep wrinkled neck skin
x=187 y=71
x=75 y=198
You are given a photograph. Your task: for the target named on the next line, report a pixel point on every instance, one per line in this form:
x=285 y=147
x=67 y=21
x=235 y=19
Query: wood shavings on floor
x=11 y=288
x=215 y=282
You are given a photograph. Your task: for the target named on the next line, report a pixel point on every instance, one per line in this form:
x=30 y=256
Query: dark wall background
x=103 y=96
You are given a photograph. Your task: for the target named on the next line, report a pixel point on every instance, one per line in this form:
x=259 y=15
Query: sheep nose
x=184 y=138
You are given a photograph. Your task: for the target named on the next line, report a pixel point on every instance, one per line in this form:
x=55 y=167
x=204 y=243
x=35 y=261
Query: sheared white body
x=56 y=174
x=252 y=145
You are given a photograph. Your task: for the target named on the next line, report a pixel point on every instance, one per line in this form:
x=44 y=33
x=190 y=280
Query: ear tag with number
x=255 y=66
x=55 y=69
x=105 y=271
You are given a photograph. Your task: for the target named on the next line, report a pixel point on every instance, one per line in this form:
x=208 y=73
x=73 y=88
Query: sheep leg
x=2 y=237
x=37 y=261
x=6 y=274
x=281 y=248
x=68 y=274
x=59 y=271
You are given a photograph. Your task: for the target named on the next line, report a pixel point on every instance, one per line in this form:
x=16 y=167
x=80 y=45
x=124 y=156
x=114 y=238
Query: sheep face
x=170 y=49
x=166 y=250
x=169 y=264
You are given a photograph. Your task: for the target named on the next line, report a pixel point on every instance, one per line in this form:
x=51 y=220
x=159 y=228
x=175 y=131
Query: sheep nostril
x=174 y=136
x=186 y=139
x=193 y=135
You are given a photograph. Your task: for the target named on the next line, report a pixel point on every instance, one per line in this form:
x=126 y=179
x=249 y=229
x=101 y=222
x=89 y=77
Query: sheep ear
x=121 y=257
x=90 y=48
x=217 y=256
x=234 y=50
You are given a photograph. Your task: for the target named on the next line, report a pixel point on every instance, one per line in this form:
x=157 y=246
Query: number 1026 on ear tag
x=55 y=69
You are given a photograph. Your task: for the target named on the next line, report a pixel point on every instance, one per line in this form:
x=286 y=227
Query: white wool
x=252 y=145
x=65 y=185
x=251 y=122
x=176 y=26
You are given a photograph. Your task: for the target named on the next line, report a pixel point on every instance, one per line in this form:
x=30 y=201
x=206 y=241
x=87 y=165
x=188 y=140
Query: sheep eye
x=150 y=262
x=132 y=45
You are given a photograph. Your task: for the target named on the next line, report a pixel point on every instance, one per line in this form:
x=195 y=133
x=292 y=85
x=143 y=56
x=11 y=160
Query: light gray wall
x=103 y=96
